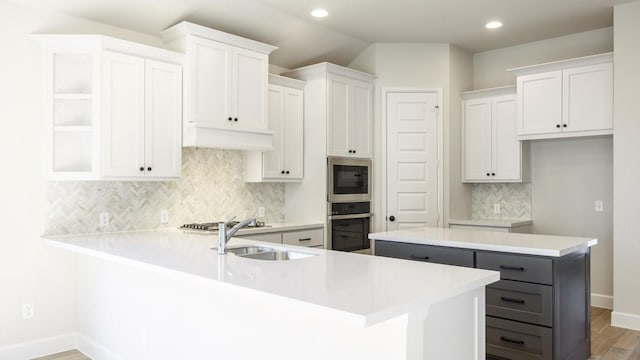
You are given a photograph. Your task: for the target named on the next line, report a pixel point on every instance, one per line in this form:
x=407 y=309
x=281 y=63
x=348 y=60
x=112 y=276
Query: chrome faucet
x=224 y=235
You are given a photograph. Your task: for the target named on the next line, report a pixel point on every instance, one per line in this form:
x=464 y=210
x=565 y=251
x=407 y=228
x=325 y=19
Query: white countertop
x=276 y=227
x=366 y=289
x=502 y=223
x=531 y=244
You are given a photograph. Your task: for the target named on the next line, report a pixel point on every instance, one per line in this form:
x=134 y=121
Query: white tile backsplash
x=514 y=200
x=212 y=188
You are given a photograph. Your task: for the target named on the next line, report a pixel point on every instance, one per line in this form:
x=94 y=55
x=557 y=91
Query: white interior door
x=412 y=159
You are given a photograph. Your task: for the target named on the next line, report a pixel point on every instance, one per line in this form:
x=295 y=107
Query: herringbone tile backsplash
x=212 y=188
x=514 y=200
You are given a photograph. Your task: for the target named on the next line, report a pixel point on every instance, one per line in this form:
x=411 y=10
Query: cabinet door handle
x=287 y=171
x=230 y=119
x=344 y=236
x=564 y=125
x=515 y=268
x=149 y=168
x=416 y=257
x=511 y=300
x=488 y=174
x=305 y=239
x=282 y=172
x=235 y=119
x=558 y=126
x=493 y=174
x=506 y=339
x=141 y=168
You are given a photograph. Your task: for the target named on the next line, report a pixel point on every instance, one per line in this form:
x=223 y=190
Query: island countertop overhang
x=517 y=243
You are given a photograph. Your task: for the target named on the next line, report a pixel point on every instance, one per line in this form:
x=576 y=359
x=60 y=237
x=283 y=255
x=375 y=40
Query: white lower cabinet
x=307 y=237
x=113 y=109
x=490 y=150
x=286 y=120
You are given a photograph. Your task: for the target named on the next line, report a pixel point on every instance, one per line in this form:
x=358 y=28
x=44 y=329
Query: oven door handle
x=350 y=216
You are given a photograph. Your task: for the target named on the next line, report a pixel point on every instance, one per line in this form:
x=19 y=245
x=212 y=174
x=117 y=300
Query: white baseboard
x=602 y=301
x=94 y=350
x=624 y=320
x=40 y=347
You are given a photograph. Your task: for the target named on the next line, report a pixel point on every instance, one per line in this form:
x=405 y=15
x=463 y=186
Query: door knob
x=392 y=218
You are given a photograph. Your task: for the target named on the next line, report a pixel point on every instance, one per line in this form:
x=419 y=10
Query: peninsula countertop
x=530 y=244
x=366 y=289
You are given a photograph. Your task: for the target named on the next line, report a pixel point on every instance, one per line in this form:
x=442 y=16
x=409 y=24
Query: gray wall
x=626 y=164
x=566 y=175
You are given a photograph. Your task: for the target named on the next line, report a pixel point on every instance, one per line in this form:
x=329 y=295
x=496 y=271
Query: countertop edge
x=500 y=223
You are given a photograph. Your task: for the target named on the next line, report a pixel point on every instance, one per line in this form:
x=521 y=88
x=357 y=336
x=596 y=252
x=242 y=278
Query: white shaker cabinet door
x=273 y=161
x=209 y=83
x=506 y=149
x=539 y=103
x=249 y=89
x=588 y=98
x=477 y=139
x=122 y=115
x=360 y=122
x=163 y=108
x=338 y=116
x=294 y=133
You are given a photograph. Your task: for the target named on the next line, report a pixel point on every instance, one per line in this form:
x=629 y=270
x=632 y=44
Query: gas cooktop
x=213 y=226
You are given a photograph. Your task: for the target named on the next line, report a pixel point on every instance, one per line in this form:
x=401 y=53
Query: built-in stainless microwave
x=348 y=179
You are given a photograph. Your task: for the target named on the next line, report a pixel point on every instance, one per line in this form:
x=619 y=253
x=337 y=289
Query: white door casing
x=413 y=153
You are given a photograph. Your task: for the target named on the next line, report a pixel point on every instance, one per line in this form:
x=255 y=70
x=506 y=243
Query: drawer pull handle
x=506 y=339
x=516 y=268
x=419 y=257
x=305 y=239
x=511 y=300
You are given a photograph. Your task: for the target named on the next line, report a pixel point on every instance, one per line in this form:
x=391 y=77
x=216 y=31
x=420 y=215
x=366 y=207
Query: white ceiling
x=352 y=24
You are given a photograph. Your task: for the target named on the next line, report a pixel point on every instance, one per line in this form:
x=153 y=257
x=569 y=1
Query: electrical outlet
x=599 y=206
x=27 y=311
x=104 y=219
x=496 y=208
x=164 y=216
x=261 y=212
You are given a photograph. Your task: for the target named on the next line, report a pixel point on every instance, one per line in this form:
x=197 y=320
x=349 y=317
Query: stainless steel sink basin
x=267 y=253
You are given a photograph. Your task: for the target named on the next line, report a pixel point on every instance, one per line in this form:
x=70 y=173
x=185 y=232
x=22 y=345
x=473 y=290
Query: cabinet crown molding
x=94 y=43
x=502 y=90
x=185 y=28
x=321 y=69
x=286 y=81
x=563 y=64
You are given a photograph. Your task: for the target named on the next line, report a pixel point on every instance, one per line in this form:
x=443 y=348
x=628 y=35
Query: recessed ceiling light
x=319 y=13
x=493 y=25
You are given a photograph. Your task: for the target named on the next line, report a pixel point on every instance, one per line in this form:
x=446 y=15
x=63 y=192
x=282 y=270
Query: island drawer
x=533 y=269
x=312 y=237
x=531 y=303
x=427 y=253
x=514 y=340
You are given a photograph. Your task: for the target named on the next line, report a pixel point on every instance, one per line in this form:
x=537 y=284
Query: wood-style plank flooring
x=607 y=342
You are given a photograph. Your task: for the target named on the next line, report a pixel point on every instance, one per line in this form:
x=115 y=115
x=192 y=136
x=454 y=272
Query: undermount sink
x=267 y=253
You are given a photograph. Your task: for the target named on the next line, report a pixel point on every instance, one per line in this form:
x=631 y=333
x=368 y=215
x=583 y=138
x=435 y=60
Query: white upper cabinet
x=349 y=125
x=490 y=150
x=566 y=98
x=286 y=119
x=114 y=110
x=226 y=81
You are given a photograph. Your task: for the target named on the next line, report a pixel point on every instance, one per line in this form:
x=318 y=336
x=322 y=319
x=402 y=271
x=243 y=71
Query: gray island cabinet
x=540 y=308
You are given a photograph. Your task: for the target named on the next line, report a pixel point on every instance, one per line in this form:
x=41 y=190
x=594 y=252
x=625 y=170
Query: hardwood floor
x=607 y=342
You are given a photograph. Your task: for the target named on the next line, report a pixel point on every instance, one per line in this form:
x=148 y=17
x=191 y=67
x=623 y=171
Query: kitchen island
x=165 y=294
x=540 y=309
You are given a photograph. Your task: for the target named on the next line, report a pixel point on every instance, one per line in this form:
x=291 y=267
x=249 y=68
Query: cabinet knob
x=230 y=119
x=235 y=119
x=493 y=174
x=282 y=172
x=392 y=218
x=141 y=168
x=149 y=168
x=564 y=125
x=488 y=174
x=287 y=171
x=354 y=151
x=558 y=126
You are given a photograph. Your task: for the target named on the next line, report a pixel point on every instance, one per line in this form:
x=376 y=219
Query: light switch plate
x=599 y=206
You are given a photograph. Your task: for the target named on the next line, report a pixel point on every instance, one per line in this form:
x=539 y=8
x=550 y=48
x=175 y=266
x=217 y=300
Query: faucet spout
x=224 y=235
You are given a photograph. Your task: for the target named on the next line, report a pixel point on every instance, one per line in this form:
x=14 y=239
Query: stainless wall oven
x=349 y=226
x=349 y=180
